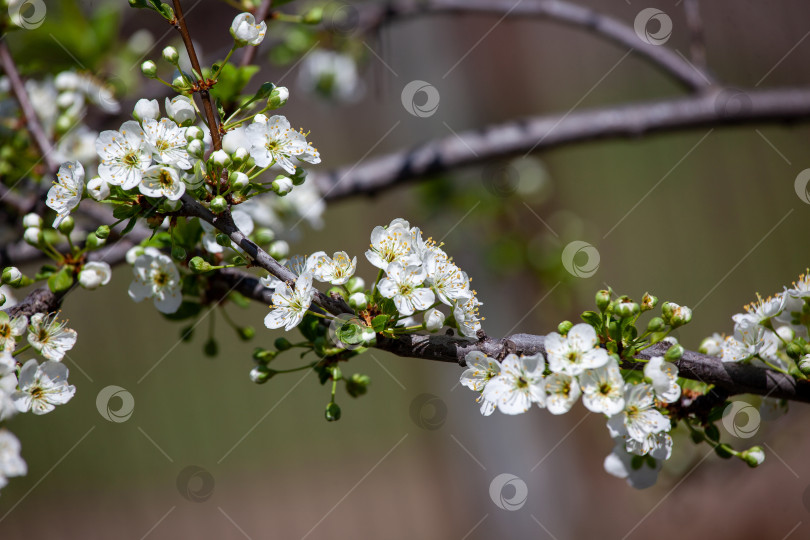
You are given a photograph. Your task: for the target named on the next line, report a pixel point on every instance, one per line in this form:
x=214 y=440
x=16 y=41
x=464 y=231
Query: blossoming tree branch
x=195 y=191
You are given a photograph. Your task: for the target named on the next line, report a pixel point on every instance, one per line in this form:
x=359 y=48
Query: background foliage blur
x=706 y=237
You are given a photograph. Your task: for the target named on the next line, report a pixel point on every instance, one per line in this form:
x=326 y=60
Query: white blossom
x=8 y=385
x=712 y=345
x=562 y=391
x=167 y=141
x=639 y=418
x=434 y=320
x=245 y=31
x=750 y=338
x=465 y=311
x=11 y=463
x=480 y=369
x=10 y=330
x=146 y=108
x=181 y=110
x=392 y=243
x=603 y=388
x=124 y=155
x=98 y=188
x=518 y=386
x=276 y=142
x=664 y=376
x=66 y=192
x=50 y=336
x=290 y=305
x=447 y=279
x=577 y=351
x=336 y=270
x=162 y=181
x=156 y=277
x=94 y=274
x=235 y=139
x=42 y=387
x=403 y=285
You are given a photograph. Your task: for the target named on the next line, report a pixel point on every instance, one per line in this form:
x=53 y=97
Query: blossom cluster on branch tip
x=415 y=276
x=771 y=332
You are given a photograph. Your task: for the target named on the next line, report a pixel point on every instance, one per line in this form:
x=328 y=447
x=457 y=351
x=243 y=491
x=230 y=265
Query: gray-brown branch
x=373 y=15
x=722 y=107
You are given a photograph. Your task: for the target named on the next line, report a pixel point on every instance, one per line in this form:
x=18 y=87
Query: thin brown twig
x=205 y=96
x=32 y=121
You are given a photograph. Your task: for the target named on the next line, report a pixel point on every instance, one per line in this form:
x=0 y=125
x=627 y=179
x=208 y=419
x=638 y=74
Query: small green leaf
x=593 y=318
x=124 y=211
x=712 y=432
x=61 y=280
x=45 y=272
x=378 y=323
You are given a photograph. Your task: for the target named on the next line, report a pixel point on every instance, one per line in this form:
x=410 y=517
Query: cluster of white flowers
x=766 y=329
x=33 y=387
x=418 y=277
x=579 y=368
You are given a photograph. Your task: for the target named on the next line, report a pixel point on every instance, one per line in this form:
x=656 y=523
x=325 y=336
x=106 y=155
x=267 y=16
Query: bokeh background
x=414 y=458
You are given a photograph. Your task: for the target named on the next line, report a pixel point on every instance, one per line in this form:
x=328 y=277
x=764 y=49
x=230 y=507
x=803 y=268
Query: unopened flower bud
x=278 y=97
x=804 y=364
x=94 y=242
x=12 y=275
x=98 y=189
x=95 y=274
x=313 y=16
x=786 y=333
x=358 y=301
x=656 y=324
x=133 y=253
x=149 y=69
x=146 y=108
x=223 y=240
x=299 y=177
x=170 y=55
x=279 y=249
x=196 y=148
x=357 y=384
x=626 y=308
x=264 y=236
x=681 y=315
x=32 y=220
x=198 y=265
x=239 y=180
x=794 y=350
x=211 y=347
x=434 y=320
x=179 y=84
x=220 y=158
x=171 y=206
x=261 y=374
x=66 y=227
x=667 y=309
x=263 y=356
x=247 y=333
x=282 y=185
x=602 y=300
x=178 y=253
x=240 y=155
x=218 y=204
x=564 y=327
x=33 y=235
x=674 y=353
x=332 y=412
x=193 y=132
x=355 y=284
x=754 y=456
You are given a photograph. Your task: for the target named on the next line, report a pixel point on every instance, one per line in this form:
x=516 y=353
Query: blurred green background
x=724 y=223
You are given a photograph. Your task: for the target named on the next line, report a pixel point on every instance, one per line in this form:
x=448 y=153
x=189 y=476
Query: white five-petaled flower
x=8 y=384
x=276 y=142
x=577 y=351
x=181 y=110
x=392 y=243
x=519 y=384
x=66 y=192
x=763 y=309
x=664 y=376
x=403 y=285
x=50 y=336
x=162 y=181
x=11 y=463
x=465 y=311
x=124 y=155
x=290 y=305
x=750 y=338
x=603 y=388
x=562 y=391
x=95 y=274
x=639 y=418
x=297 y=264
x=245 y=30
x=42 y=387
x=480 y=369
x=447 y=279
x=658 y=445
x=167 y=141
x=10 y=330
x=156 y=276
x=336 y=270
x=712 y=345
